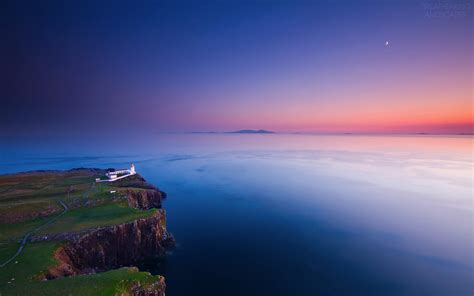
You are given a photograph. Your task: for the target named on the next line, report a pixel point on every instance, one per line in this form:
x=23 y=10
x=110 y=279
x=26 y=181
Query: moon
x=386 y=43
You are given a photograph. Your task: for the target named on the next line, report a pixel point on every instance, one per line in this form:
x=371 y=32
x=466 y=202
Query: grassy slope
x=30 y=195
x=23 y=194
x=7 y=250
x=21 y=278
x=27 y=193
x=85 y=218
x=16 y=231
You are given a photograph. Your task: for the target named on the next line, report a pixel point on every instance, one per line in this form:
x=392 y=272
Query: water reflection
x=305 y=214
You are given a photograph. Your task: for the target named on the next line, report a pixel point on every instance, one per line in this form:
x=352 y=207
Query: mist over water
x=300 y=214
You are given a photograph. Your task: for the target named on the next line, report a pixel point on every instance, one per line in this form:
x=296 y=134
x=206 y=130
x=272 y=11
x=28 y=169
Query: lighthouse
x=119 y=174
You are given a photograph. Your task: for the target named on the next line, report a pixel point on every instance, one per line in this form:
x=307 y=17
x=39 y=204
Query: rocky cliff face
x=128 y=244
x=156 y=289
x=112 y=247
x=145 y=199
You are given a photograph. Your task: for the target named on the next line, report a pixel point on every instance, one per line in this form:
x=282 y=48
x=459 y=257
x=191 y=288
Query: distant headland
x=249 y=131
x=244 y=131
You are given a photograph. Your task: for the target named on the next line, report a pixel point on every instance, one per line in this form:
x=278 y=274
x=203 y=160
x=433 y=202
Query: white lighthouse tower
x=132 y=169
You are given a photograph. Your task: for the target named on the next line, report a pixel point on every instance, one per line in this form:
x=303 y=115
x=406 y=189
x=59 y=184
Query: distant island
x=245 y=131
x=248 y=131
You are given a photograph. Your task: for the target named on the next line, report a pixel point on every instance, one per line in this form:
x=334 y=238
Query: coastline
x=99 y=233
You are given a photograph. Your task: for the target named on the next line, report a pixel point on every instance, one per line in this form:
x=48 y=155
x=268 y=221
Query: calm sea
x=300 y=214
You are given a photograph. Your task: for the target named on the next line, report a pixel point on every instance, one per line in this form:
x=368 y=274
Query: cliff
x=106 y=232
x=140 y=194
x=155 y=289
x=113 y=247
x=145 y=199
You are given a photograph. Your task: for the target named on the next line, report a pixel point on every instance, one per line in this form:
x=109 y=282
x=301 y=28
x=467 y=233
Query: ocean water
x=300 y=214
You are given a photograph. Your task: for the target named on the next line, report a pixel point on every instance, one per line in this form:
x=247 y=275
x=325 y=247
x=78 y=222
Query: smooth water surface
x=301 y=214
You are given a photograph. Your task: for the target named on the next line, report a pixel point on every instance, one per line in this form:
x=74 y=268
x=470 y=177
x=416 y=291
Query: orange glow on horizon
x=387 y=116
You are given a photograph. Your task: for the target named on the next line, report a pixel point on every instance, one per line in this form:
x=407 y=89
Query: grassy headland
x=45 y=203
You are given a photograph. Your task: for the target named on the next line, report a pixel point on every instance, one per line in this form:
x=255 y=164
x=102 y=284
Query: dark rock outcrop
x=156 y=289
x=144 y=199
x=140 y=194
x=113 y=247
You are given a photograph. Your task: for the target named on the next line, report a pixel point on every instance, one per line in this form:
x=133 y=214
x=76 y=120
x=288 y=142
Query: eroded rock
x=113 y=247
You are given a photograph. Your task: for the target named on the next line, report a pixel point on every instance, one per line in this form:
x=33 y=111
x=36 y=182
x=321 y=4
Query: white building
x=119 y=174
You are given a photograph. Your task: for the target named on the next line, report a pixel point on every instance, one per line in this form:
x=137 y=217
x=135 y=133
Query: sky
x=76 y=67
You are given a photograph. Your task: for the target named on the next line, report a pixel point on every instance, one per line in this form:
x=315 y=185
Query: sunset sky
x=287 y=66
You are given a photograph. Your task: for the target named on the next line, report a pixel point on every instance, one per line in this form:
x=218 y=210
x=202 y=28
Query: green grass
x=7 y=250
x=36 y=257
x=30 y=193
x=102 y=191
x=114 y=282
x=24 y=196
x=22 y=278
x=22 y=210
x=103 y=215
x=27 y=195
x=16 y=231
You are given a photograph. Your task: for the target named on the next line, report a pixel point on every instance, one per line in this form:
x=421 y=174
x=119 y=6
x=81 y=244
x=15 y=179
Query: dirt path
x=27 y=236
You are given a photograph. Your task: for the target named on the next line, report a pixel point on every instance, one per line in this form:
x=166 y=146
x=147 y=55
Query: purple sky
x=167 y=66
